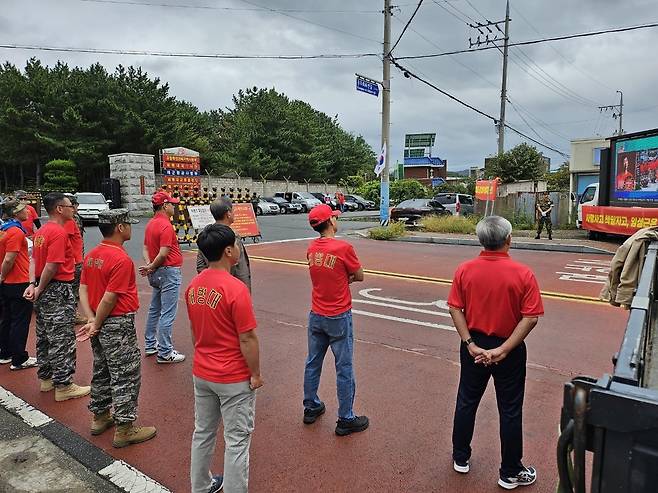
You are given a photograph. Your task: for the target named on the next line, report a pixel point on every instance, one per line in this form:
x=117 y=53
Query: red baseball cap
x=161 y=197
x=321 y=213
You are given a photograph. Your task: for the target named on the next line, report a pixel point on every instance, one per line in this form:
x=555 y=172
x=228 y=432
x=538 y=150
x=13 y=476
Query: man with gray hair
x=222 y=210
x=494 y=302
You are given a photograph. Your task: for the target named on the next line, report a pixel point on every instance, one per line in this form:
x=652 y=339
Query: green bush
x=449 y=224
x=399 y=191
x=521 y=221
x=60 y=175
x=390 y=232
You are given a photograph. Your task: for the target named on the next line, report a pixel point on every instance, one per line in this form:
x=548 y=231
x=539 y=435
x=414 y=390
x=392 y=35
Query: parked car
x=459 y=204
x=90 y=204
x=322 y=197
x=362 y=204
x=285 y=206
x=412 y=210
x=262 y=206
x=306 y=199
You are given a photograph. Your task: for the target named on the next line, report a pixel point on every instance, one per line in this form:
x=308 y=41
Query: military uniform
x=117 y=360
x=544 y=203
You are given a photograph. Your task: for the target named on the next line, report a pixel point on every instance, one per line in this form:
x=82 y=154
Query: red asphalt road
x=407 y=374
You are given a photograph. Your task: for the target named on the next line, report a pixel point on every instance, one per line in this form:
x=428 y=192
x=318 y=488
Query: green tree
x=399 y=190
x=523 y=162
x=60 y=175
x=558 y=181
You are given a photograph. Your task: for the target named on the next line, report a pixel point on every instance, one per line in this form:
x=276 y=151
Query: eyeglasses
x=71 y=206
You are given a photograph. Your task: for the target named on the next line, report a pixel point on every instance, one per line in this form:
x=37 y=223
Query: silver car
x=459 y=204
x=90 y=204
x=264 y=207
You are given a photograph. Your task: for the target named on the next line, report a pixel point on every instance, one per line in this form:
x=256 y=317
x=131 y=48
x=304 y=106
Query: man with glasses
x=54 y=300
x=163 y=259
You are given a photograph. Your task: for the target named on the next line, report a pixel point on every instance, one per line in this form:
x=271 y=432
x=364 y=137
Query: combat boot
x=101 y=422
x=46 y=385
x=129 y=434
x=71 y=391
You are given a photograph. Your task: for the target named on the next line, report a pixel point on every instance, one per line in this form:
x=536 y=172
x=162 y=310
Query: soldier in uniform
x=108 y=296
x=52 y=292
x=75 y=231
x=544 y=207
x=222 y=210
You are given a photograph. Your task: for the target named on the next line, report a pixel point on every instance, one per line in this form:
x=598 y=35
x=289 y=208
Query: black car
x=322 y=198
x=285 y=206
x=412 y=210
x=361 y=203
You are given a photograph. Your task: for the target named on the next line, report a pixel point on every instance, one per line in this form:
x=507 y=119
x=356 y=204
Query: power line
x=409 y=74
x=535 y=41
x=233 y=9
x=224 y=56
x=406 y=26
x=248 y=2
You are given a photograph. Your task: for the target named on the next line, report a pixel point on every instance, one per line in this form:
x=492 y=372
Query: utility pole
x=503 y=91
x=386 y=114
x=619 y=111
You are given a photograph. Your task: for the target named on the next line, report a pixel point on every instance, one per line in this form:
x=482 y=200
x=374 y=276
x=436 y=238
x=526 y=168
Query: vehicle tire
x=304 y=208
x=284 y=210
x=259 y=211
x=361 y=207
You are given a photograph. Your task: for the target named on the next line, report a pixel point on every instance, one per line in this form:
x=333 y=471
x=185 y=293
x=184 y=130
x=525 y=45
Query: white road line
x=405 y=308
x=30 y=415
x=438 y=303
x=404 y=320
x=278 y=241
x=130 y=479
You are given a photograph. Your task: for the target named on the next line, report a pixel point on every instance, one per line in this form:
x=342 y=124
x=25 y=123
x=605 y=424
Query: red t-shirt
x=71 y=227
x=109 y=268
x=28 y=224
x=52 y=245
x=495 y=293
x=13 y=240
x=219 y=309
x=330 y=263
x=160 y=233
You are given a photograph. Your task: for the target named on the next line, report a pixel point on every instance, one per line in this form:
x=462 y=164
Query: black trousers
x=15 y=324
x=509 y=382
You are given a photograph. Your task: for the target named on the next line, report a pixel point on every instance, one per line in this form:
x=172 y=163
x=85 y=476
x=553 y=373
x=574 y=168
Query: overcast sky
x=556 y=86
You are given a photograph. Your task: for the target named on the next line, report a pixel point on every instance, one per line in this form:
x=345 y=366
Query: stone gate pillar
x=136 y=175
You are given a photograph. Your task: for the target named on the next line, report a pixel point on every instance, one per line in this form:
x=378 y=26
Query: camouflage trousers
x=76 y=282
x=117 y=369
x=55 y=311
x=547 y=221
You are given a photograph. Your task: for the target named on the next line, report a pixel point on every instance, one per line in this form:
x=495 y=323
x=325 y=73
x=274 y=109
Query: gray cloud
x=590 y=68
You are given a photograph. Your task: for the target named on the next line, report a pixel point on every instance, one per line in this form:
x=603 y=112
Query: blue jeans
x=166 y=282
x=335 y=332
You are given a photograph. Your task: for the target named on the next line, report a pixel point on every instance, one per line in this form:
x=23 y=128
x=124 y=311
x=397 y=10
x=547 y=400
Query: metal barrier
x=616 y=416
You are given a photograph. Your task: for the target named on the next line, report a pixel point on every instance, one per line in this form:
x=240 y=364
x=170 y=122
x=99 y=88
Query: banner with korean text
x=618 y=220
x=486 y=189
x=245 y=223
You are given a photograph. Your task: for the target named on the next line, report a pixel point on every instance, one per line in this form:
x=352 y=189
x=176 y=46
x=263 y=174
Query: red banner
x=245 y=223
x=486 y=189
x=618 y=220
x=182 y=181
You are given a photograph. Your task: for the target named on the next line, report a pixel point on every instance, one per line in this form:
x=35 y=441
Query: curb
x=117 y=472
x=547 y=247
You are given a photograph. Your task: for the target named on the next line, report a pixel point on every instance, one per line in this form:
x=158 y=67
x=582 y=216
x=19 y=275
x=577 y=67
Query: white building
x=585 y=163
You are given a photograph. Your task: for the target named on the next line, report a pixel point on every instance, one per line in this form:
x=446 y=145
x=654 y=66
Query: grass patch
x=390 y=232
x=449 y=224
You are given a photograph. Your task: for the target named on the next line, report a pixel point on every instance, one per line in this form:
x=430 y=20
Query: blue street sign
x=367 y=86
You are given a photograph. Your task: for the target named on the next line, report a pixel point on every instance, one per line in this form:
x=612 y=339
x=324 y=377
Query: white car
x=91 y=204
x=264 y=207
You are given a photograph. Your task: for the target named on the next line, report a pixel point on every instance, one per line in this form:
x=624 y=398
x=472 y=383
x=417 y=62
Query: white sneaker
x=4 y=361
x=150 y=352
x=525 y=477
x=174 y=357
x=31 y=362
x=461 y=468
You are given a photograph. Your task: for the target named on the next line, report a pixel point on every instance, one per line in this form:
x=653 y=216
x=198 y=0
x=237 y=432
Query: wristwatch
x=468 y=341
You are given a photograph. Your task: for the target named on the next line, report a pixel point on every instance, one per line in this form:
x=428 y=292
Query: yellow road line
x=433 y=280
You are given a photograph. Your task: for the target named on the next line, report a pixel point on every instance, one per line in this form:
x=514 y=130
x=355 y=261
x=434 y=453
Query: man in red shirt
x=108 y=295
x=333 y=265
x=226 y=364
x=494 y=303
x=14 y=277
x=74 y=230
x=163 y=262
x=54 y=301
x=32 y=218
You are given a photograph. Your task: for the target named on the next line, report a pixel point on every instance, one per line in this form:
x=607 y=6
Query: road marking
x=588 y=270
x=404 y=320
x=130 y=479
x=438 y=303
x=405 y=308
x=434 y=280
x=279 y=241
x=33 y=417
